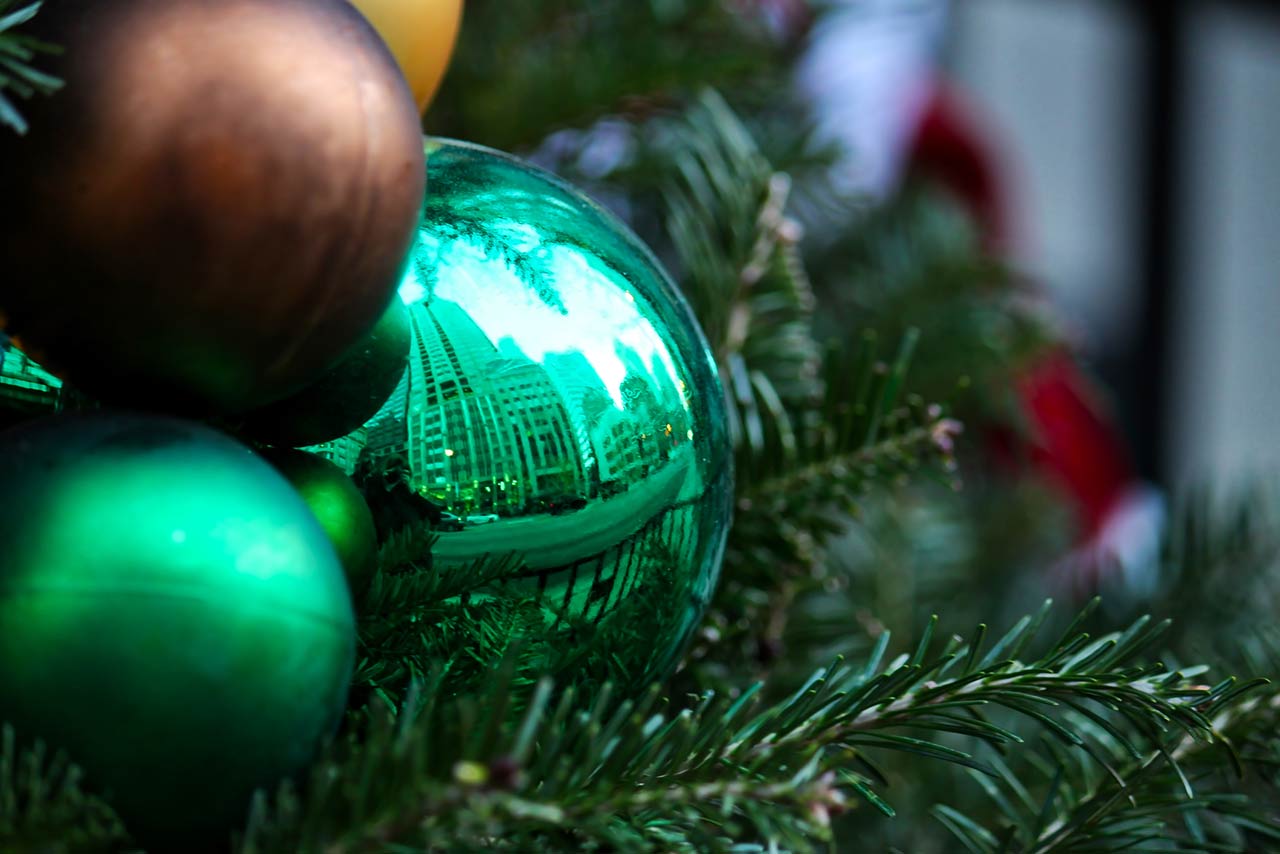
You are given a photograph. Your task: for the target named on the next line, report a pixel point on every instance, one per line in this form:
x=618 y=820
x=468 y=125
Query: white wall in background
x=1227 y=371
x=1060 y=82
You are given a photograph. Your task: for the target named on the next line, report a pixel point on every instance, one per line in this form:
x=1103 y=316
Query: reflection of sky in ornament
x=601 y=311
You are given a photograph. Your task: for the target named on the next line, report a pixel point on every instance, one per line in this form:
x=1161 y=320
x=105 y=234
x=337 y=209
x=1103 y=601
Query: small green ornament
x=171 y=614
x=338 y=506
x=344 y=397
x=562 y=404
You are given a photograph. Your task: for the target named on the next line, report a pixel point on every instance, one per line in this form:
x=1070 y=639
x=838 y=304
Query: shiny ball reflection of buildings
x=561 y=401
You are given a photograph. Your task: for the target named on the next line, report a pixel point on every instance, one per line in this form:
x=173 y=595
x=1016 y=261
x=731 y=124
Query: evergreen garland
x=798 y=721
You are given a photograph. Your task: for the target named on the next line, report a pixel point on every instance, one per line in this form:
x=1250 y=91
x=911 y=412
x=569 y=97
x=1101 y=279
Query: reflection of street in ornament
x=559 y=404
x=547 y=540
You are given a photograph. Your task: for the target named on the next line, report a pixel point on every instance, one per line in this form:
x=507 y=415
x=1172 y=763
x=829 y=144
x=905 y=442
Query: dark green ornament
x=344 y=397
x=339 y=508
x=561 y=403
x=171 y=614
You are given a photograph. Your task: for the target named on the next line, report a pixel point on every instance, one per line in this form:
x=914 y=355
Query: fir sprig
x=1153 y=803
x=724 y=771
x=44 y=808
x=564 y=63
x=814 y=427
x=17 y=74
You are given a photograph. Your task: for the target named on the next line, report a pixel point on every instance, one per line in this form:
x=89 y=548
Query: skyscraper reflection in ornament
x=560 y=403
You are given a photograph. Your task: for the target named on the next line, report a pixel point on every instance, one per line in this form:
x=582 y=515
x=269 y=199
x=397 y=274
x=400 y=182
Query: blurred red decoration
x=1072 y=440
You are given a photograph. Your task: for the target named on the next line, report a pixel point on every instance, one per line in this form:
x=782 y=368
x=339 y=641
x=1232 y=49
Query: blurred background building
x=1135 y=143
x=1143 y=139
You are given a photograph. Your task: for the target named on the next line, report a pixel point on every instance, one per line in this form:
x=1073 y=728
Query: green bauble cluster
x=171 y=614
x=173 y=610
x=561 y=404
x=176 y=608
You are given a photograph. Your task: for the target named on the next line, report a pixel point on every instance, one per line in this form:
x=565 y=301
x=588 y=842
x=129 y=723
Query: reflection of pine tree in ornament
x=560 y=404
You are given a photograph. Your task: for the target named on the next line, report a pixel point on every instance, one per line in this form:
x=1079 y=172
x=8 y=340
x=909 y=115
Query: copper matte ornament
x=218 y=204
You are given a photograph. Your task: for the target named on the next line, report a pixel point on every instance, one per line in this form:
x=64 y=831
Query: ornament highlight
x=560 y=403
x=421 y=34
x=171 y=614
x=216 y=206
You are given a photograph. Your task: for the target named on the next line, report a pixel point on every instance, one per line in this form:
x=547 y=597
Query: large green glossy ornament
x=171 y=614
x=562 y=404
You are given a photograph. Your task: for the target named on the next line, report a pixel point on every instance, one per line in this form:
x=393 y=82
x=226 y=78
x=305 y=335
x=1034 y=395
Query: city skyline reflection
x=558 y=403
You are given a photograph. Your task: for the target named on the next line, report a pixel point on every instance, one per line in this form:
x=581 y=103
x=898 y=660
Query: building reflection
x=485 y=429
x=28 y=391
x=25 y=386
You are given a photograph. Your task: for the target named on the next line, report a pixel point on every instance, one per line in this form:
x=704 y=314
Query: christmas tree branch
x=43 y=807
x=17 y=75
x=738 y=248
x=565 y=64
x=611 y=773
x=1154 y=802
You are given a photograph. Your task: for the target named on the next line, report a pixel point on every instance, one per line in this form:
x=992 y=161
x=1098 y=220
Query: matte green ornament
x=337 y=505
x=171 y=614
x=344 y=397
x=562 y=404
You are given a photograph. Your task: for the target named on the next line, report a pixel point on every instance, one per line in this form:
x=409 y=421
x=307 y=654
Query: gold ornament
x=421 y=34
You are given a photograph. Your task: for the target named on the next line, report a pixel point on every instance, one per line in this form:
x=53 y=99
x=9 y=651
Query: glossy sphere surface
x=215 y=207
x=562 y=404
x=171 y=614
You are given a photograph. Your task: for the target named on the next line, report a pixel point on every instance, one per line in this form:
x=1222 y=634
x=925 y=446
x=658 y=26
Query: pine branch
x=17 y=75
x=44 y=810
x=1216 y=574
x=416 y=616
x=632 y=775
x=1152 y=803
x=738 y=249
x=813 y=428
x=565 y=64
